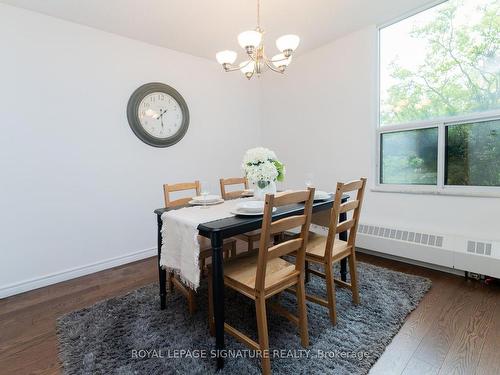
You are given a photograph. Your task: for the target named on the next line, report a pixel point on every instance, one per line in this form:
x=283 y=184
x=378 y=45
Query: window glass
x=409 y=157
x=473 y=154
x=441 y=62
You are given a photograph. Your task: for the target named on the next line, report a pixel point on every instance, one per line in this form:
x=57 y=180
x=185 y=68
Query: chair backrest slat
x=287 y=223
x=284 y=248
x=286 y=198
x=345 y=225
x=232 y=181
x=353 y=185
x=297 y=245
x=353 y=206
x=183 y=186
x=179 y=202
x=348 y=206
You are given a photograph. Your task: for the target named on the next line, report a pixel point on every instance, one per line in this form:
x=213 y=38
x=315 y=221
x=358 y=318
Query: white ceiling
x=203 y=27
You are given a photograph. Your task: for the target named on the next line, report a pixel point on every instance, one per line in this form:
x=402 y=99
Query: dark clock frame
x=133 y=114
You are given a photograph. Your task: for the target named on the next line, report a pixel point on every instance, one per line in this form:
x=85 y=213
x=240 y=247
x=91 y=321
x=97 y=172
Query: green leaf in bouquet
x=281 y=170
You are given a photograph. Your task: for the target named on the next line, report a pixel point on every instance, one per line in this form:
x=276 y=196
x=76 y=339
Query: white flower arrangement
x=261 y=166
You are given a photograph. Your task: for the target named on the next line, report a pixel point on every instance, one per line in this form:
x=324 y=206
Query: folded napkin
x=180 y=250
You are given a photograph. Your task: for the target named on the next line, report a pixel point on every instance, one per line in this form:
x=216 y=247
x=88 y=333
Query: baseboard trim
x=411 y=261
x=57 y=277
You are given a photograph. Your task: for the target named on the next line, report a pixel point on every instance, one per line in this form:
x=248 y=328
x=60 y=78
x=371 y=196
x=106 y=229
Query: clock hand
x=162 y=112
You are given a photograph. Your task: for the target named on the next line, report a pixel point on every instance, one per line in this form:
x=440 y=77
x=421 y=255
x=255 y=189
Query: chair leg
x=233 y=249
x=202 y=266
x=330 y=291
x=211 y=323
x=170 y=275
x=250 y=245
x=353 y=273
x=191 y=301
x=302 y=309
x=260 y=310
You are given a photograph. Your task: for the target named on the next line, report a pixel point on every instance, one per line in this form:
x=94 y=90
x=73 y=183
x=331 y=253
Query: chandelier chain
x=258 y=14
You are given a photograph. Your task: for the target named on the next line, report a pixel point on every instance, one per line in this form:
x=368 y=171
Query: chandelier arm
x=270 y=66
x=283 y=59
x=233 y=68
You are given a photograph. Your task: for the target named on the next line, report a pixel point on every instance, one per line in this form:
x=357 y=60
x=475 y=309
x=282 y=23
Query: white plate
x=242 y=213
x=211 y=203
x=207 y=199
x=250 y=206
x=321 y=195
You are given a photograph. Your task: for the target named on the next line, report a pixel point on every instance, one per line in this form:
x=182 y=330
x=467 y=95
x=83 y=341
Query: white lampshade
x=226 y=57
x=288 y=42
x=249 y=38
x=281 y=60
x=247 y=67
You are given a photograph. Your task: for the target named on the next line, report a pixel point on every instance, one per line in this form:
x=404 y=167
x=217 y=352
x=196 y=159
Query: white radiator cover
x=461 y=253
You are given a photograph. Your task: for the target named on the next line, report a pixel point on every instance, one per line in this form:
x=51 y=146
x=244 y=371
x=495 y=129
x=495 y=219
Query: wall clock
x=158 y=115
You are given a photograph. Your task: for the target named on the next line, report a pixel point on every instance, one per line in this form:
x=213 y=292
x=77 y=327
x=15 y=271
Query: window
x=439 y=97
x=409 y=157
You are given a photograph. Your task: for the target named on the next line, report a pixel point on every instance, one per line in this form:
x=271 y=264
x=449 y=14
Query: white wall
x=320 y=118
x=77 y=188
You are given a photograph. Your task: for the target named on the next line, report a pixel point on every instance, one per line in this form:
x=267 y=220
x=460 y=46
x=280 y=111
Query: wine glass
x=205 y=190
x=309 y=181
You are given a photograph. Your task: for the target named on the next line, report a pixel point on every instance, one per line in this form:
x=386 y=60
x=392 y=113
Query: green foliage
x=281 y=170
x=460 y=73
x=473 y=154
x=263 y=184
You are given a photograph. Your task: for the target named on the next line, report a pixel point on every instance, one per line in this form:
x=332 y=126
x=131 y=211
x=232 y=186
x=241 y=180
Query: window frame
x=441 y=123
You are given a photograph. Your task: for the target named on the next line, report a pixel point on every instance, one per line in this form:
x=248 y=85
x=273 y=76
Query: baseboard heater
x=455 y=252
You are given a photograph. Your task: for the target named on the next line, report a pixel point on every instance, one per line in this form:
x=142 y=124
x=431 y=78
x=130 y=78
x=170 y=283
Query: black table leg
x=218 y=295
x=343 y=237
x=162 y=274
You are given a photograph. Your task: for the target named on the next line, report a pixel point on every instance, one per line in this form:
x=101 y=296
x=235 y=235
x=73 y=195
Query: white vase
x=260 y=193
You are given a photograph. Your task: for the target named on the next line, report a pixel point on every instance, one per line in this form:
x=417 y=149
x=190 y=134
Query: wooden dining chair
x=249 y=238
x=263 y=273
x=328 y=250
x=205 y=245
x=232 y=182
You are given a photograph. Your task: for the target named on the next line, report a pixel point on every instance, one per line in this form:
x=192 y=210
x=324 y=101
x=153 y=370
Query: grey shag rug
x=131 y=335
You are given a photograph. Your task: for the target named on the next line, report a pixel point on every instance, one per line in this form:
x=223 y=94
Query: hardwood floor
x=454 y=330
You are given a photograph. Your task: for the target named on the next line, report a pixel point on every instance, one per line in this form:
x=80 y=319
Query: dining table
x=219 y=230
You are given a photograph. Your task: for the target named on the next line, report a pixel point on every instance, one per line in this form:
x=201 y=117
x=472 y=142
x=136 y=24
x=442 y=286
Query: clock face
x=160 y=115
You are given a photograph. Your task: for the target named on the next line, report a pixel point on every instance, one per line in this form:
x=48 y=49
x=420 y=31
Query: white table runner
x=180 y=249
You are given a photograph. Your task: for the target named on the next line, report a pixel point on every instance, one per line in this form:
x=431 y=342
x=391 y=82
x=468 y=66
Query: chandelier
x=251 y=42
